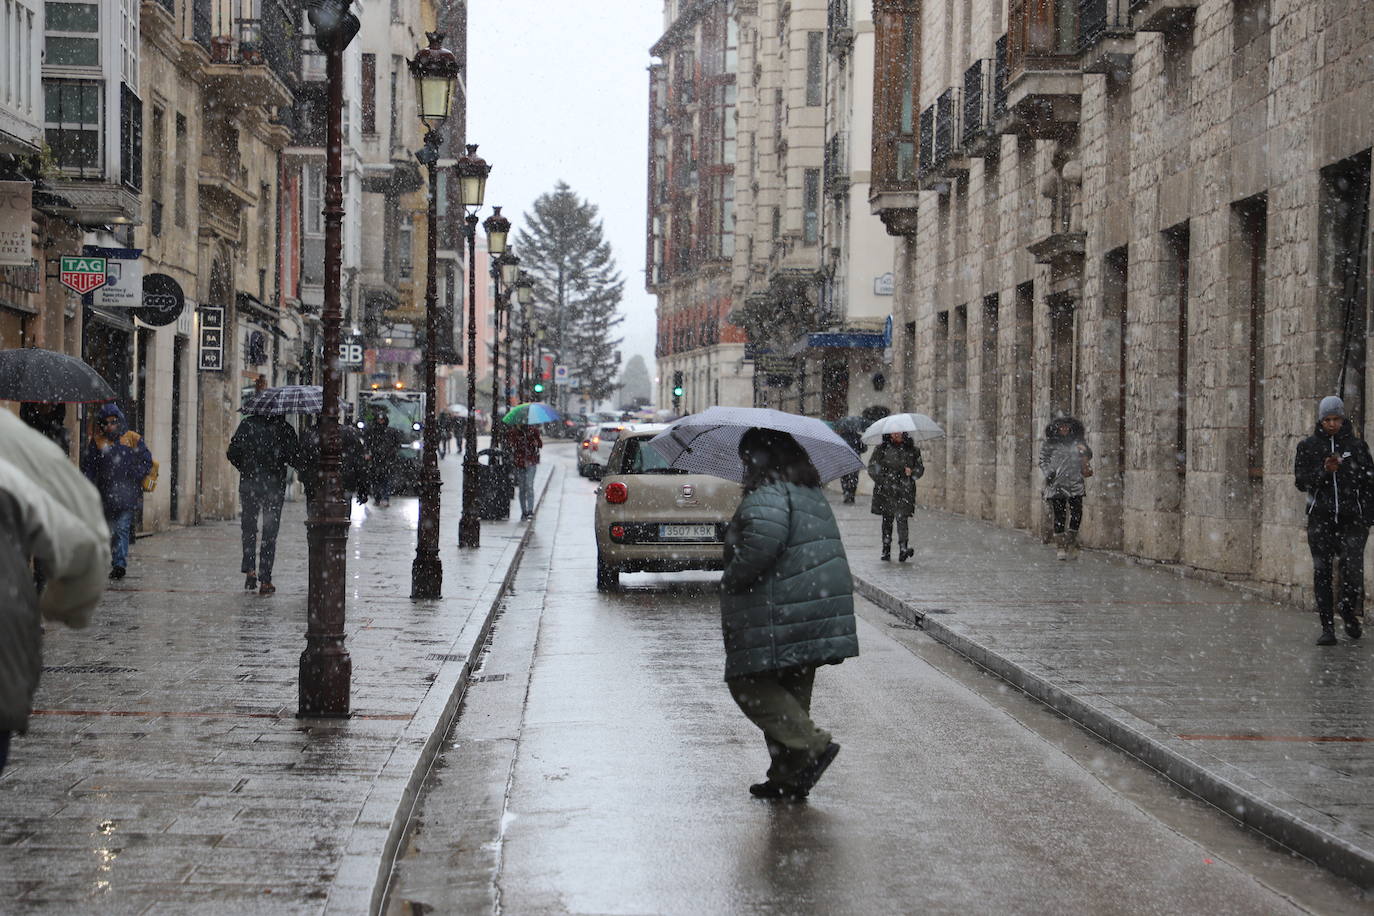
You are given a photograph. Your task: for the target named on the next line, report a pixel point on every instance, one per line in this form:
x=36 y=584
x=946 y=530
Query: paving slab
x=165 y=768
x=1224 y=693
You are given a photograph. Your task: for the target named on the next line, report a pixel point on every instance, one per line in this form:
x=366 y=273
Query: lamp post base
x=426 y=578
x=470 y=525
x=325 y=672
x=469 y=531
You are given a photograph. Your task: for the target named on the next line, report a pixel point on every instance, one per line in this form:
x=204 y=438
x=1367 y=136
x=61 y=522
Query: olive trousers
x=779 y=703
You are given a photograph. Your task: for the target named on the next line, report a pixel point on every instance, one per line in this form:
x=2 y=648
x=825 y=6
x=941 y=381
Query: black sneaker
x=116 y=572
x=812 y=772
x=776 y=791
x=906 y=553
x=1353 y=629
x=1328 y=637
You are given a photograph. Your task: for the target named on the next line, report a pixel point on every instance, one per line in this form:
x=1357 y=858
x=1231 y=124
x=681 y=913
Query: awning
x=845 y=340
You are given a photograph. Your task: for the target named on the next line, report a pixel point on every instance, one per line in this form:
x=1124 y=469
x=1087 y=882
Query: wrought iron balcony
x=1106 y=40
x=1044 y=81
x=836 y=164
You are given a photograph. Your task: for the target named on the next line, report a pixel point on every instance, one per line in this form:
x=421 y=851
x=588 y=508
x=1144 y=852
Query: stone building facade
x=1152 y=214
x=693 y=189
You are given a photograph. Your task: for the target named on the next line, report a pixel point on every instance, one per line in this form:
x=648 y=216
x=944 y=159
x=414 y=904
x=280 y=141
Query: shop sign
x=16 y=223
x=82 y=275
x=163 y=301
x=123 y=287
x=351 y=352
x=212 y=338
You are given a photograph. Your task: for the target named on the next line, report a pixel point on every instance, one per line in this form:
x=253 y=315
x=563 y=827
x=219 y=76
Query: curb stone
x=1148 y=745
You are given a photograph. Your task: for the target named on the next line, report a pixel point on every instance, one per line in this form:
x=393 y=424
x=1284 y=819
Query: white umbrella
x=917 y=425
x=708 y=442
x=458 y=410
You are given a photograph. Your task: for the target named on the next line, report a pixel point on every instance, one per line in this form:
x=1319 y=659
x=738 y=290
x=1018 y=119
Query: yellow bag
x=150 y=482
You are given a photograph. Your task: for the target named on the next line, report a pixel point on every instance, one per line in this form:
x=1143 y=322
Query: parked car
x=653 y=518
x=596 y=444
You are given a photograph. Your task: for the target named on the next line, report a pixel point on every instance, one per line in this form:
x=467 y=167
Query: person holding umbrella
x=116 y=460
x=1064 y=460
x=526 y=443
x=261 y=449
x=895 y=467
x=851 y=430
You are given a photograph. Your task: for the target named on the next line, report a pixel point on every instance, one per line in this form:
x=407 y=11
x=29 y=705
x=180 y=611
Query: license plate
x=687 y=532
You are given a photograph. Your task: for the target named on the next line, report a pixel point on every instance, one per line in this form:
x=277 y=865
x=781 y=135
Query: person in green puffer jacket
x=787 y=607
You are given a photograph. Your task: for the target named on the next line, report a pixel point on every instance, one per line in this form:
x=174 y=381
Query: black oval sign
x=163 y=301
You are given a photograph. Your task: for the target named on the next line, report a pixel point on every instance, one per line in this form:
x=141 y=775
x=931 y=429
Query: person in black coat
x=261 y=450
x=1333 y=467
x=895 y=467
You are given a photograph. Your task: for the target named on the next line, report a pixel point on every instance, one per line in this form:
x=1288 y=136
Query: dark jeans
x=121 y=535
x=1331 y=540
x=779 y=703
x=4 y=749
x=1072 y=506
x=902 y=521
x=849 y=485
x=260 y=497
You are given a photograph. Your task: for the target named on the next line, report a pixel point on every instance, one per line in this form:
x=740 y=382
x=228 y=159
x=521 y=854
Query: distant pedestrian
x=117 y=460
x=51 y=522
x=262 y=448
x=1333 y=467
x=382 y=451
x=895 y=467
x=525 y=444
x=787 y=607
x=443 y=431
x=350 y=458
x=1065 y=460
x=851 y=432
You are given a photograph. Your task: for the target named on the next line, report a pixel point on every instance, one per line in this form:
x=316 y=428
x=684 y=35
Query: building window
x=156 y=169
x=17 y=25
x=72 y=35
x=811 y=206
x=1250 y=242
x=130 y=139
x=815 y=67
x=179 y=179
x=405 y=244
x=1115 y=282
x=369 y=93
x=1343 y=279
x=898 y=87
x=73 y=125
x=312 y=201
x=684 y=77
x=1175 y=286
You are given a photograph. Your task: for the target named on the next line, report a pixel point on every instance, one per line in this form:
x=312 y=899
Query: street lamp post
x=435 y=69
x=472 y=173
x=512 y=278
x=504 y=270
x=524 y=294
x=326 y=669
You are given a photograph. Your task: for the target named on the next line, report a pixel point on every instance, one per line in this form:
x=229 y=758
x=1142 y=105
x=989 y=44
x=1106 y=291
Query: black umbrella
x=46 y=376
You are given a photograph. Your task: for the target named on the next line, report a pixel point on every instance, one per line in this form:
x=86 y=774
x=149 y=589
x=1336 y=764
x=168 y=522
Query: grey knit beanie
x=1331 y=406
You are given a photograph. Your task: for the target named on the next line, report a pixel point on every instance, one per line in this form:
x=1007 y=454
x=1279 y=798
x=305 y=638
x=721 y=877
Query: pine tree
x=576 y=281
x=636 y=388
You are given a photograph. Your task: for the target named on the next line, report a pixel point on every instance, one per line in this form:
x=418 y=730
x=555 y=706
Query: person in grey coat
x=51 y=523
x=895 y=467
x=1064 y=458
x=787 y=607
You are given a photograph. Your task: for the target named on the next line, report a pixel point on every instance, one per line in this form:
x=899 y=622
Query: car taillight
x=617 y=493
x=617 y=532
x=586 y=444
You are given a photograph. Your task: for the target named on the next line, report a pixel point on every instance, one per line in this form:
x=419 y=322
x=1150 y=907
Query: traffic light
x=677 y=391
x=538 y=387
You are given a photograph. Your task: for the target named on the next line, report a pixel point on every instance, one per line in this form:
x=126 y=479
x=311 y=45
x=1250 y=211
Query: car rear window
x=640 y=459
x=610 y=434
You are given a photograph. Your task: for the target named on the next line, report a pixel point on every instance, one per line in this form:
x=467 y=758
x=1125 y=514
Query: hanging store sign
x=123 y=287
x=16 y=223
x=163 y=301
x=82 y=275
x=351 y=352
x=212 y=338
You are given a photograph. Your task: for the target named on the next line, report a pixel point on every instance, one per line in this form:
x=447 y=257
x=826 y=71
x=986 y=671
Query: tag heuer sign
x=83 y=275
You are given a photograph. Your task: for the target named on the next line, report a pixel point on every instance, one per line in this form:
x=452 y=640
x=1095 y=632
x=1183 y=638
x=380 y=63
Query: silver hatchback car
x=653 y=518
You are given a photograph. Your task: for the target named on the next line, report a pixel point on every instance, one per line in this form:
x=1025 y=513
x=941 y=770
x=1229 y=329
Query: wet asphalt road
x=599 y=766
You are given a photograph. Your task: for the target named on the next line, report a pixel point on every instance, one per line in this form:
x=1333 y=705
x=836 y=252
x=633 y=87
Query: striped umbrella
x=530 y=414
x=286 y=399
x=708 y=442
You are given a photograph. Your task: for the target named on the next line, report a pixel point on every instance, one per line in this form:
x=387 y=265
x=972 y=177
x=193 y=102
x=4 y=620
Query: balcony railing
x=836 y=167
x=1097 y=18
x=946 y=124
x=1001 y=71
x=202 y=25
x=928 y=139
x=975 y=101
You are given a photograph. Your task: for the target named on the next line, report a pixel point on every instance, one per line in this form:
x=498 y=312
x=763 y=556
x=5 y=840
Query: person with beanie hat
x=1333 y=467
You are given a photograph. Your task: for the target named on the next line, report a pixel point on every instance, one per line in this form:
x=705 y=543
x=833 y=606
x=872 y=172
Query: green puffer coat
x=786 y=596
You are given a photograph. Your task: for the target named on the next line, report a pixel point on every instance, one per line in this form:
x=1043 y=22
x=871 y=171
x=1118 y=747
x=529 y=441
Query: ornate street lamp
x=436 y=73
x=472 y=173
x=326 y=669
x=510 y=275
x=505 y=268
x=524 y=294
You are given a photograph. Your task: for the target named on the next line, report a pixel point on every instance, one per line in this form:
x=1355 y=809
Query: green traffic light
x=538 y=387
x=677 y=392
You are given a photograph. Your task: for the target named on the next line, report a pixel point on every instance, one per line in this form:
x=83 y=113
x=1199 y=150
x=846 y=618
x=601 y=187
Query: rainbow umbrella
x=530 y=414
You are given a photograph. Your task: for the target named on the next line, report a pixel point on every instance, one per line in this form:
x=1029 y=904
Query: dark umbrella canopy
x=49 y=377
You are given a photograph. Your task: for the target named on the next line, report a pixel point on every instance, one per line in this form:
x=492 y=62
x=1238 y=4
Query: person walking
x=116 y=460
x=51 y=522
x=1064 y=460
x=382 y=449
x=786 y=607
x=261 y=449
x=851 y=432
x=525 y=444
x=895 y=467
x=1333 y=467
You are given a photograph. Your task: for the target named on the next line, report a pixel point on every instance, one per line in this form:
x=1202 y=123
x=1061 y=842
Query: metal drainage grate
x=87 y=669
x=441 y=657
x=488 y=678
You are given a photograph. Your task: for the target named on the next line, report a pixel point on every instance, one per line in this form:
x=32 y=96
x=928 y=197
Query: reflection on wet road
x=600 y=766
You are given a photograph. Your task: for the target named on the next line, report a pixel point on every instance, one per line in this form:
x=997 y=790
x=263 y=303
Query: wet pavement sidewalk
x=165 y=770
x=1224 y=693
